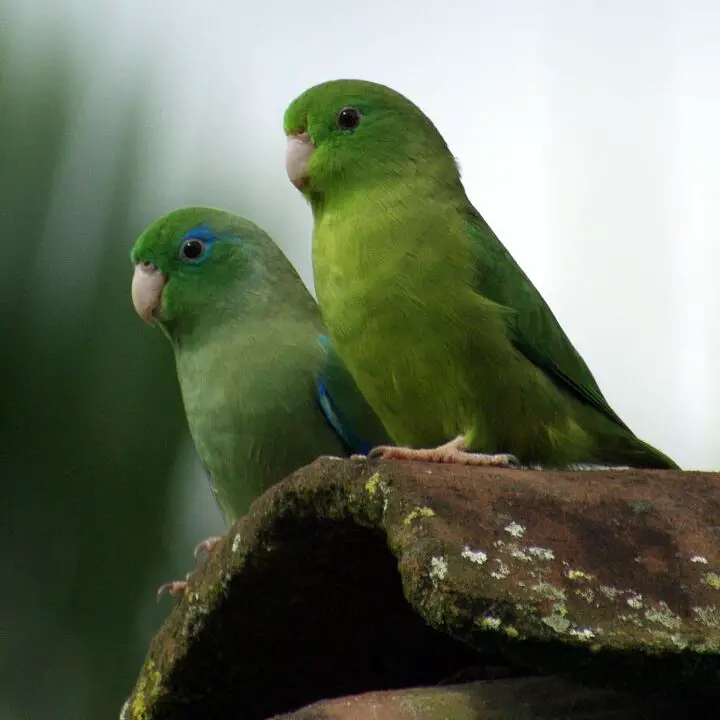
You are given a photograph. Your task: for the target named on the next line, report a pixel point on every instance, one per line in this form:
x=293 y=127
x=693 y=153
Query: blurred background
x=587 y=134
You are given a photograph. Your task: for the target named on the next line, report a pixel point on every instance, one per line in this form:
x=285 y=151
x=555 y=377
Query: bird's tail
x=636 y=453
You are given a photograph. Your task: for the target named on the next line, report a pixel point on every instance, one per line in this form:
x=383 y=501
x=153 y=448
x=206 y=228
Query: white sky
x=587 y=133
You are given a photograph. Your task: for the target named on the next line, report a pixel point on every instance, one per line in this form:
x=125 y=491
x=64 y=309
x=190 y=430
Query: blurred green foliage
x=91 y=422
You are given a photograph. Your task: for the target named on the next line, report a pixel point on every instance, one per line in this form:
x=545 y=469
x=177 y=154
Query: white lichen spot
x=592 y=467
x=537 y=573
x=548 y=591
x=635 y=601
x=630 y=619
x=679 y=642
x=558 y=623
x=515 y=529
x=578 y=575
x=518 y=553
x=708 y=615
x=662 y=638
x=235 y=543
x=419 y=512
x=610 y=592
x=491 y=623
x=584 y=634
x=438 y=569
x=502 y=571
x=475 y=556
x=701 y=559
x=194 y=621
x=498 y=544
x=664 y=616
x=541 y=553
x=712 y=580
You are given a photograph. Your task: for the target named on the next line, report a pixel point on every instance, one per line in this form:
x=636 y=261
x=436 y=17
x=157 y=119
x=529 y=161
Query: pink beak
x=297 y=156
x=147 y=286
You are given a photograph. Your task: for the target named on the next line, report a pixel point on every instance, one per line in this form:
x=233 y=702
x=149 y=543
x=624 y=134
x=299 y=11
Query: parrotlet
x=263 y=389
x=447 y=338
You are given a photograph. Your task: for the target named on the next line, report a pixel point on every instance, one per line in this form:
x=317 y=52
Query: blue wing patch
x=338 y=420
x=334 y=415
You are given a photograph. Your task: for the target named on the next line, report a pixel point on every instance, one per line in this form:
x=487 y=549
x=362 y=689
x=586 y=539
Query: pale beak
x=147 y=286
x=297 y=155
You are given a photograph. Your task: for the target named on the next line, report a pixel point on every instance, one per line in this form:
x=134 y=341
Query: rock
x=353 y=577
x=539 y=698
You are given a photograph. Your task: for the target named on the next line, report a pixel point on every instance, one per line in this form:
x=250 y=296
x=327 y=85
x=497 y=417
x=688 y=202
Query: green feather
x=442 y=331
x=532 y=327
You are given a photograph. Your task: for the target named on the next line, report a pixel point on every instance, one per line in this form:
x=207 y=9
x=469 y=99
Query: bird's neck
x=252 y=318
x=424 y=176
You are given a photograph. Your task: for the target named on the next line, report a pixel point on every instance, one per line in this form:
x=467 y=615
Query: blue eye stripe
x=204 y=238
x=201 y=232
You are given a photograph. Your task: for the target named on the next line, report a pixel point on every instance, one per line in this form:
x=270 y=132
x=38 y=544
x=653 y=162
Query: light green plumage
x=244 y=330
x=441 y=329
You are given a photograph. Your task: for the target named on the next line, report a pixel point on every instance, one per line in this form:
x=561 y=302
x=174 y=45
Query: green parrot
x=447 y=338
x=263 y=389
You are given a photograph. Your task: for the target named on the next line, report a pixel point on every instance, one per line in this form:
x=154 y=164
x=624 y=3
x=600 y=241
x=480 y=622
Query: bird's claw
x=382 y=452
x=177 y=588
x=205 y=546
x=174 y=588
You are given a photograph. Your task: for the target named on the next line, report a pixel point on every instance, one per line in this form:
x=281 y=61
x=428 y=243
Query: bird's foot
x=451 y=452
x=206 y=546
x=177 y=588
x=174 y=588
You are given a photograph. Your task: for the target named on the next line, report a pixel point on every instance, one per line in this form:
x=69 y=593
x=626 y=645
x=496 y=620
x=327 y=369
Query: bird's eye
x=192 y=250
x=348 y=118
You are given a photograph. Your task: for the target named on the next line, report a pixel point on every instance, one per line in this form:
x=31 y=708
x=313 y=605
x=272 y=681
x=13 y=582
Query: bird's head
x=346 y=134
x=197 y=265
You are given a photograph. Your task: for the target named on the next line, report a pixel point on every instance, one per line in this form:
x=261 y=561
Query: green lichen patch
x=712 y=580
x=419 y=512
x=146 y=692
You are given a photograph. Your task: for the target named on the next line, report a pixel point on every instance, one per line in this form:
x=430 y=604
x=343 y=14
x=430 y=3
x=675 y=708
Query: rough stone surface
x=351 y=577
x=539 y=698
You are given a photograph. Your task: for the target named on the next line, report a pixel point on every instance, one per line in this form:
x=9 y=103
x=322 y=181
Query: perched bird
x=447 y=338
x=263 y=389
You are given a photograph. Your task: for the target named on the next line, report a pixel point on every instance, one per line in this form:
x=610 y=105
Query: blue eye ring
x=193 y=250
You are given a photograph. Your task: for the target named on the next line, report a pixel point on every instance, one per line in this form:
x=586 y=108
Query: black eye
x=192 y=249
x=348 y=118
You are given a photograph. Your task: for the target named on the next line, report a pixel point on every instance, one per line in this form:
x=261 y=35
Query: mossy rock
x=351 y=577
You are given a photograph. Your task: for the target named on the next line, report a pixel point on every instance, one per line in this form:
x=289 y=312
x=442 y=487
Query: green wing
x=533 y=327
